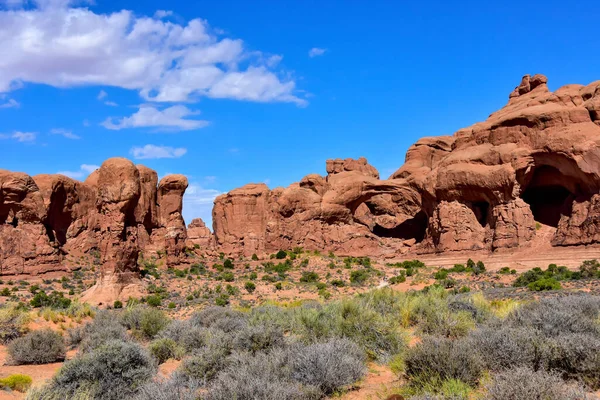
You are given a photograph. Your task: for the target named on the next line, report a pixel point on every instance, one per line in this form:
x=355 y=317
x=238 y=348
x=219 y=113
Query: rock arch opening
x=413 y=228
x=549 y=195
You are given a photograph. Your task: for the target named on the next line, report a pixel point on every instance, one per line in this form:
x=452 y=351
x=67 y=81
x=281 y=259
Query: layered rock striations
x=483 y=188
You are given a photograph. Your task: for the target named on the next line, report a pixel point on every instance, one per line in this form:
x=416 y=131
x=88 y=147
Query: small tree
x=281 y=255
x=250 y=286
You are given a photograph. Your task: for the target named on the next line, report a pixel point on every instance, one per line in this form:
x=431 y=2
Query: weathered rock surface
x=536 y=159
x=118 y=212
x=198 y=235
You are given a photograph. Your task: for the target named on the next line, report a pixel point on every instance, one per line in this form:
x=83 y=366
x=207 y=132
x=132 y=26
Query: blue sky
x=232 y=92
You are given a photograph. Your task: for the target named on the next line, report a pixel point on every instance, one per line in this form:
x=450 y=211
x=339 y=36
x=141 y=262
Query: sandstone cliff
x=536 y=159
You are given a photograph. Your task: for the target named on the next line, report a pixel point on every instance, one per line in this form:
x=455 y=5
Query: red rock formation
x=536 y=159
x=24 y=243
x=198 y=235
x=119 y=211
x=171 y=235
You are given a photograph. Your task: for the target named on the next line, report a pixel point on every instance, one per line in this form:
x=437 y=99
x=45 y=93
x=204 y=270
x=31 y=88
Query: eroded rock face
x=198 y=235
x=118 y=212
x=536 y=159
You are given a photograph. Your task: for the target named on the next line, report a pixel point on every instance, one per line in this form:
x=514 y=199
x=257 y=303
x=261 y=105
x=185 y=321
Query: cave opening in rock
x=413 y=228
x=547 y=203
x=548 y=196
x=481 y=209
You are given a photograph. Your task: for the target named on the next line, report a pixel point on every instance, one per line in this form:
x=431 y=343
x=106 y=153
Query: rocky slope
x=536 y=159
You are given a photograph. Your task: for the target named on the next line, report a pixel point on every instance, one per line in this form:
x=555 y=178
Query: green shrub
x=171 y=306
x=222 y=300
x=5 y=292
x=309 y=276
x=281 y=255
x=441 y=274
x=360 y=276
x=164 y=349
x=253 y=276
x=228 y=263
x=504 y=271
x=227 y=277
x=590 y=269
x=55 y=300
x=118 y=304
x=458 y=268
x=250 y=287
x=254 y=257
x=38 y=347
x=338 y=283
x=232 y=290
x=544 y=284
x=400 y=278
x=17 y=382
x=154 y=301
x=278 y=286
x=145 y=321
x=478 y=268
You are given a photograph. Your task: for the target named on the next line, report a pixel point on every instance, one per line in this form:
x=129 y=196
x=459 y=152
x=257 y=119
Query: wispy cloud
x=151 y=151
x=11 y=103
x=162 y=14
x=171 y=118
x=23 y=137
x=102 y=95
x=64 y=133
x=84 y=171
x=198 y=202
x=316 y=51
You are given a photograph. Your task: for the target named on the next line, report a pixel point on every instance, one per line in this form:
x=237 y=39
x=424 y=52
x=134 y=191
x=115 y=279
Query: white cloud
x=84 y=171
x=274 y=60
x=111 y=103
x=86 y=123
x=101 y=95
x=11 y=103
x=65 y=133
x=64 y=46
x=316 y=51
x=89 y=168
x=20 y=136
x=162 y=14
x=198 y=202
x=171 y=118
x=151 y=151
